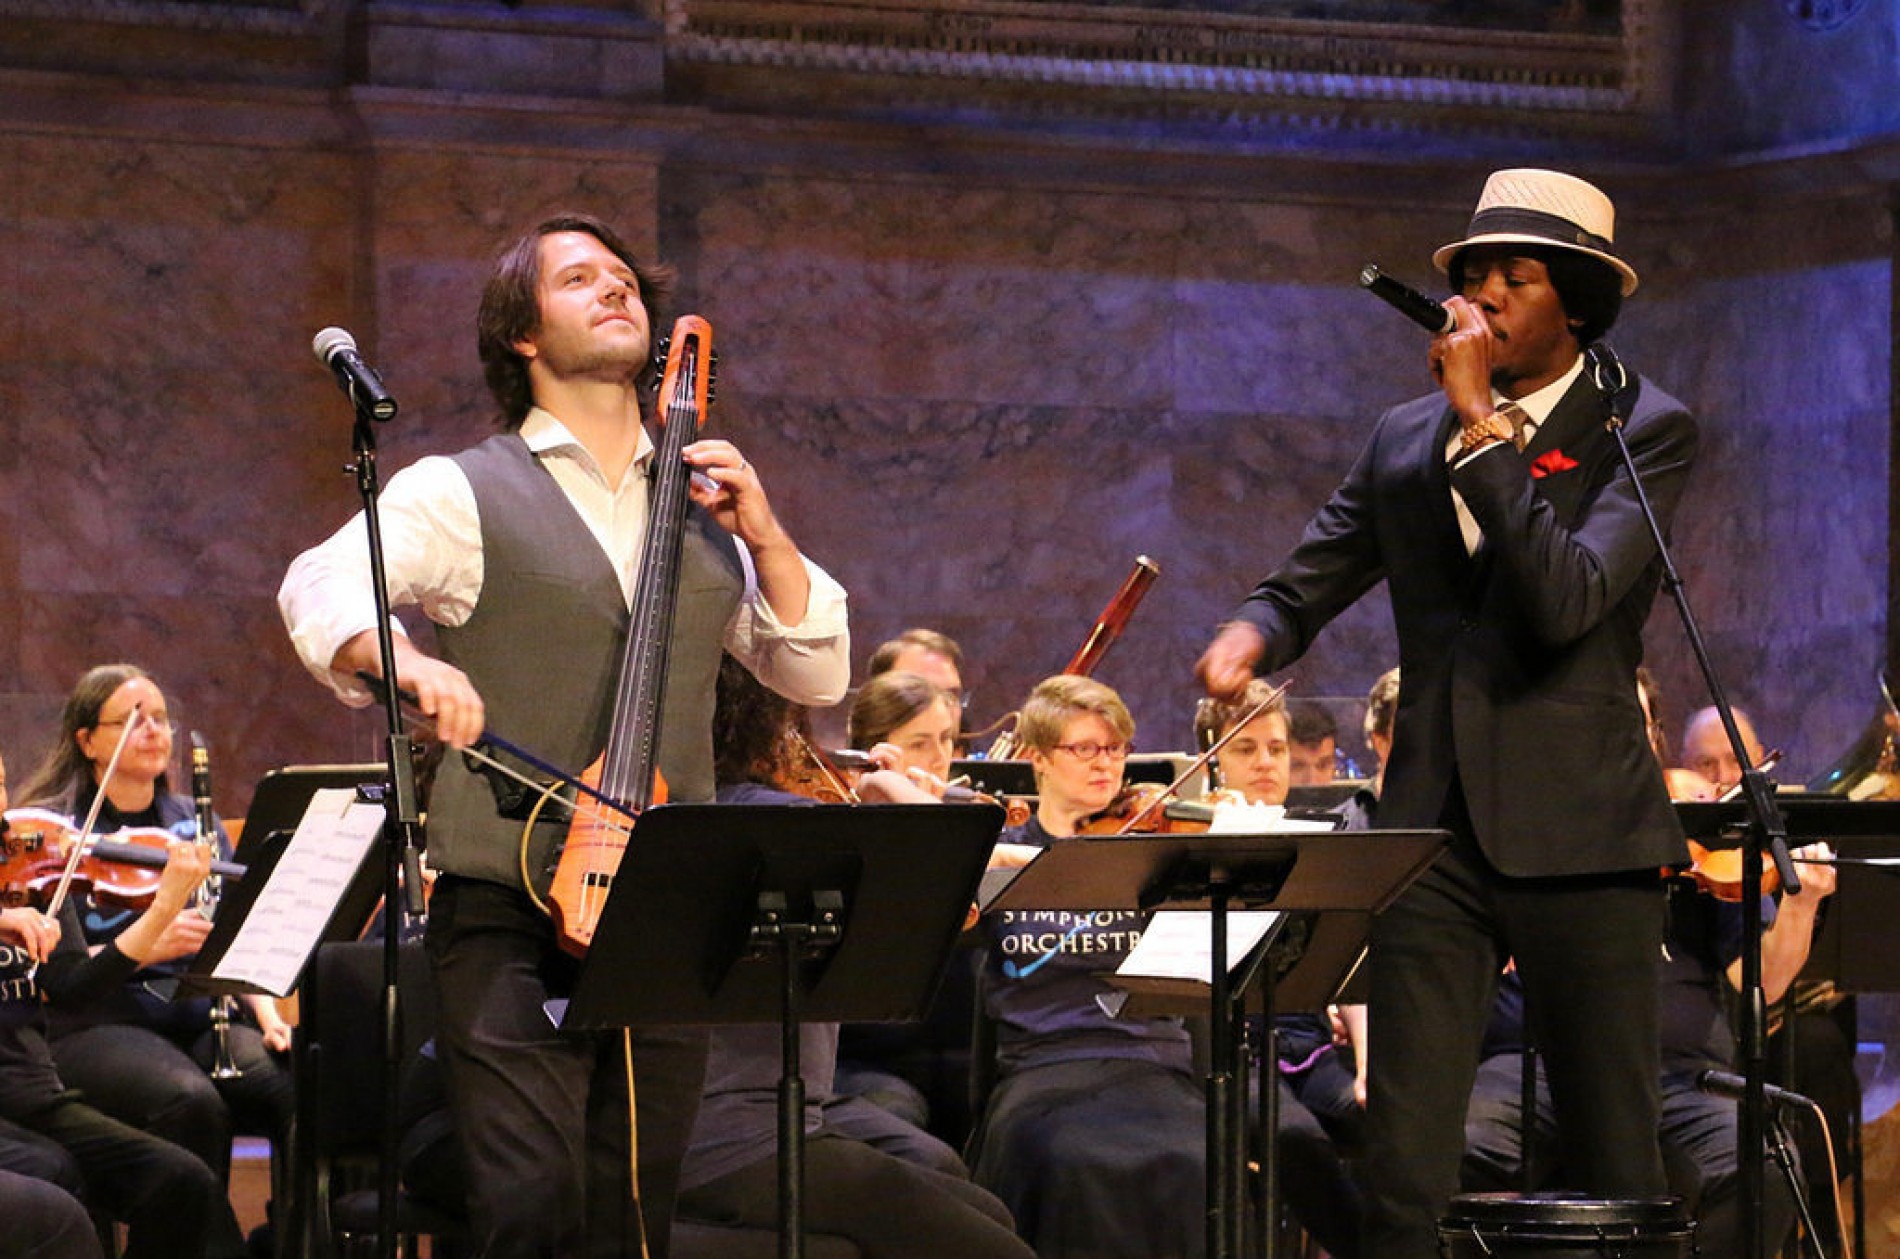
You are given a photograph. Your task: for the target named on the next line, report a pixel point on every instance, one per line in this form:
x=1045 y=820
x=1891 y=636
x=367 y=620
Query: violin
x=628 y=770
x=821 y=776
x=123 y=871
x=1148 y=809
x=1718 y=871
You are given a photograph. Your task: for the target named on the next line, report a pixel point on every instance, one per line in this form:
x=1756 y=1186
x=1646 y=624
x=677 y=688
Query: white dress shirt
x=432 y=539
x=1537 y=408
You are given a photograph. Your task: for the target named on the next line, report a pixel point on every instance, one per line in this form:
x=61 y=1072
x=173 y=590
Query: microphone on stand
x=336 y=350
x=1618 y=385
x=1728 y=1084
x=1408 y=301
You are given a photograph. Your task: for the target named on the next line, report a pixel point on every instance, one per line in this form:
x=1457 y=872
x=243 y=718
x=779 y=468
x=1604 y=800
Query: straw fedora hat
x=1543 y=207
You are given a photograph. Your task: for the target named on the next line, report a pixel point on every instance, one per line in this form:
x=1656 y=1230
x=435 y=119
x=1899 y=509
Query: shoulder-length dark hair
x=511 y=307
x=64 y=767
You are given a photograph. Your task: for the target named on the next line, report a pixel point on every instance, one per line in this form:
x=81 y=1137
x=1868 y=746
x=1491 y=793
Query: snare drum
x=1564 y=1226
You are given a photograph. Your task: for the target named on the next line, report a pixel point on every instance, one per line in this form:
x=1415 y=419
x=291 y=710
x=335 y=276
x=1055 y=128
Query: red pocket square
x=1551 y=461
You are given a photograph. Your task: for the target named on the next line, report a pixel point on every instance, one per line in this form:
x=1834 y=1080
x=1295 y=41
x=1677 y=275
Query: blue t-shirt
x=1044 y=985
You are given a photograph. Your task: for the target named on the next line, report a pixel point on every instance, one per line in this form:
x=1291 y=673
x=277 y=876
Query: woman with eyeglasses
x=141 y=1053
x=1095 y=1133
x=164 y=1194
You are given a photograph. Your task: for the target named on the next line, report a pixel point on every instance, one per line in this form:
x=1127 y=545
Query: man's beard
x=622 y=364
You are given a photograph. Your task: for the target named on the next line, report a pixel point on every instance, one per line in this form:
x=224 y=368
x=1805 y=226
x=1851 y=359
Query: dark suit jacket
x=1518 y=664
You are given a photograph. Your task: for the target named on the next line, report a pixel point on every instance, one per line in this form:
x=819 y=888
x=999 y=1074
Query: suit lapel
x=1570 y=442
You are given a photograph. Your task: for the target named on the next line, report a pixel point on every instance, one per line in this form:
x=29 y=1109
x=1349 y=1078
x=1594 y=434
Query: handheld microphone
x=336 y=350
x=1408 y=301
x=1728 y=1084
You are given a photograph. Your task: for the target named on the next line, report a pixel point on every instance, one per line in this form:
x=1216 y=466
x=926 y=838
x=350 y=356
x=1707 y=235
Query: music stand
x=277 y=807
x=783 y=914
x=1357 y=872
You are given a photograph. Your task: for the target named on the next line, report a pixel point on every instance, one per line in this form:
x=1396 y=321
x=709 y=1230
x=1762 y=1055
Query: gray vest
x=544 y=647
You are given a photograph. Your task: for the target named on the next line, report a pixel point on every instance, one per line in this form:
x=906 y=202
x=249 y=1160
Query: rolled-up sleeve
x=808 y=663
x=432 y=556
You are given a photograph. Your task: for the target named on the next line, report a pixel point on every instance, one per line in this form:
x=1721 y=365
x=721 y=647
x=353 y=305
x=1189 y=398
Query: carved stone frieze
x=1212 y=51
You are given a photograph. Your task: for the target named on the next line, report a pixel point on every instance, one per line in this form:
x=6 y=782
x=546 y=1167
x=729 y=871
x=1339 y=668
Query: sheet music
x=1179 y=943
x=289 y=916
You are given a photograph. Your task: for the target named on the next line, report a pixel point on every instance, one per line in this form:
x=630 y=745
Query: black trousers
x=542 y=1114
x=1587 y=948
x=148 y=1079
x=166 y=1196
x=890 y=1208
x=43 y=1221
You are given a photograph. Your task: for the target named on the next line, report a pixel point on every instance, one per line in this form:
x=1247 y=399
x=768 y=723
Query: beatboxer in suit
x=1520 y=579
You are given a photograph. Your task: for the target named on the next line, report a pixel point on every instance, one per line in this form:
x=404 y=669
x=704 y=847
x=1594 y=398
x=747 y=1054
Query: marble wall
x=982 y=371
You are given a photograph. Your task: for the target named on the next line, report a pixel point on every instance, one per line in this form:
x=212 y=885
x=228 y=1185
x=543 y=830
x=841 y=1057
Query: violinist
x=524 y=551
x=891 y=1189
x=1706 y=751
x=142 y=1053
x=169 y=1200
x=908 y=723
x=1812 y=1051
x=1256 y=762
x=1095 y=1134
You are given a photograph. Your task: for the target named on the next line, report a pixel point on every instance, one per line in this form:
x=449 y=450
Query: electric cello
x=628 y=771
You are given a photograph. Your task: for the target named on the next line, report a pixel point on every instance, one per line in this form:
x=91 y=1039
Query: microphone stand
x=1783 y=1150
x=402 y=832
x=1767 y=831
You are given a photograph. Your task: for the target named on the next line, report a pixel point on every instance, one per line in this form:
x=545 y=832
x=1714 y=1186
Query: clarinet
x=223 y=1066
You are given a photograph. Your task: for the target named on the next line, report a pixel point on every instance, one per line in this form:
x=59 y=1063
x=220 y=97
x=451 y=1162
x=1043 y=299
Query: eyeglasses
x=1089 y=749
x=147 y=723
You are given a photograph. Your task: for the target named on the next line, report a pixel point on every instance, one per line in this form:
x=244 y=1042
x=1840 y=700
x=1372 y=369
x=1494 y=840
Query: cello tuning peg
x=660 y=350
x=712 y=377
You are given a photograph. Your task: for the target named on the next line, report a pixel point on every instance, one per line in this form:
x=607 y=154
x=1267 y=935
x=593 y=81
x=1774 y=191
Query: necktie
x=1520 y=419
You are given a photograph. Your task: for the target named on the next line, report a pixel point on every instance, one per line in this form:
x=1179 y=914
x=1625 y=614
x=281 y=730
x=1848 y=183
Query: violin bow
x=92 y=815
x=1200 y=762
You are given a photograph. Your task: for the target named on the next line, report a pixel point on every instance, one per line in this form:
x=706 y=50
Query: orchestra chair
x=340 y=1070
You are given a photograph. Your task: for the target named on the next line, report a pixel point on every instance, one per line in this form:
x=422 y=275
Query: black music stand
x=784 y=914
x=1351 y=872
x=282 y=797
